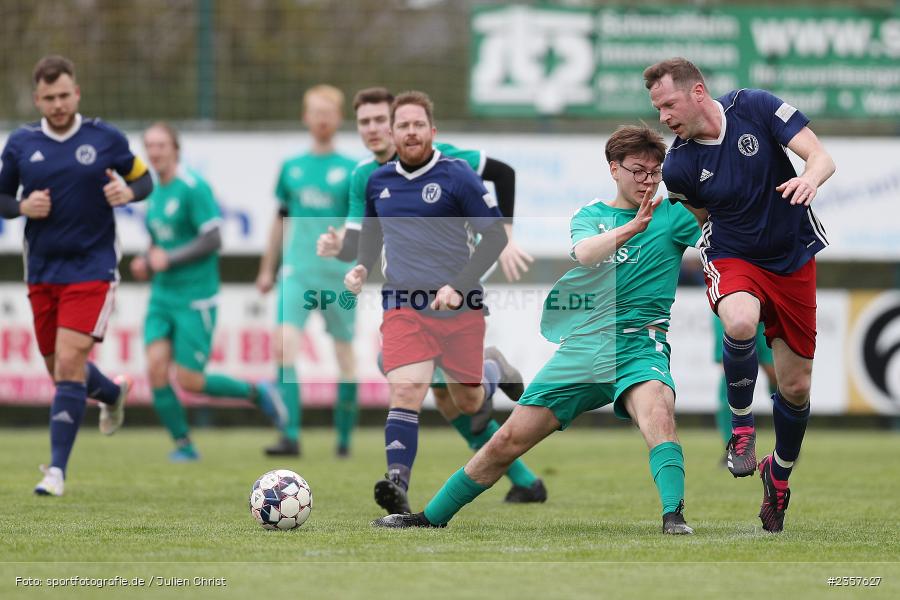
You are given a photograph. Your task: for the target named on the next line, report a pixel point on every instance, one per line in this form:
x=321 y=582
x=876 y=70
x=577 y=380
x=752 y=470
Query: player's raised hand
x=158 y=259
x=645 y=212
x=139 y=268
x=514 y=261
x=330 y=242
x=799 y=190
x=117 y=191
x=355 y=278
x=447 y=299
x=265 y=281
x=36 y=205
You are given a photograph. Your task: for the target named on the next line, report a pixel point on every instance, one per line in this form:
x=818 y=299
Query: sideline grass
x=128 y=512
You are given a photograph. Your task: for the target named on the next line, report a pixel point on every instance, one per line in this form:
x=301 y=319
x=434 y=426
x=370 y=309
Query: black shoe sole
x=390 y=497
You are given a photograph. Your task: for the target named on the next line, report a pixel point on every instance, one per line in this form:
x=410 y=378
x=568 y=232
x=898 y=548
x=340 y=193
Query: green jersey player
x=183 y=219
x=313 y=195
x=610 y=316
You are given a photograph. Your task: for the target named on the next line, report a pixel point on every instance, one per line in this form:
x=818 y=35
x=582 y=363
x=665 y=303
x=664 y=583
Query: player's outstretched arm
x=594 y=250
x=819 y=167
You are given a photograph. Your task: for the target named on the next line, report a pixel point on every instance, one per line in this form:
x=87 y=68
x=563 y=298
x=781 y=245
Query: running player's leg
x=346 y=407
x=766 y=359
x=408 y=386
x=165 y=400
x=651 y=405
x=740 y=314
x=286 y=344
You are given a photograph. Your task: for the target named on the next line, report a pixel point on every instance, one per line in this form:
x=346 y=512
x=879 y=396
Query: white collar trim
x=717 y=141
x=422 y=170
x=45 y=127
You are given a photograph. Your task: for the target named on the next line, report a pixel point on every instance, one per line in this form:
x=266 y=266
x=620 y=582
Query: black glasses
x=640 y=176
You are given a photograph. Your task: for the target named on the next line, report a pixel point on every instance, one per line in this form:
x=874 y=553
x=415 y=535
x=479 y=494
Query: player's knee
x=741 y=326
x=469 y=398
x=407 y=395
x=190 y=381
x=796 y=389
x=69 y=365
x=158 y=373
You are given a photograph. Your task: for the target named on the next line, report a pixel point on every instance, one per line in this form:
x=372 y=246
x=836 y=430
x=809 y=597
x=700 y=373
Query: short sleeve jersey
x=429 y=218
x=314 y=191
x=360 y=176
x=734 y=179
x=178 y=212
x=77 y=241
x=632 y=288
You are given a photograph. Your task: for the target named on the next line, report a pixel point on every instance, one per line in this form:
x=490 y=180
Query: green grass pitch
x=127 y=512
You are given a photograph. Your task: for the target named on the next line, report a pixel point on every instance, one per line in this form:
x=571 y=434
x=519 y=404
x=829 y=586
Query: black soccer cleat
x=740 y=453
x=775 y=498
x=284 y=447
x=342 y=452
x=674 y=523
x=511 y=382
x=391 y=496
x=399 y=521
x=519 y=494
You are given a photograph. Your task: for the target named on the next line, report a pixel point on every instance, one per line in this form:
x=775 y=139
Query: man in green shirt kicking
x=610 y=316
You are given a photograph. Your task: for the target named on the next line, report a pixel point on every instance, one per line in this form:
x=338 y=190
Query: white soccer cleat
x=51 y=484
x=112 y=417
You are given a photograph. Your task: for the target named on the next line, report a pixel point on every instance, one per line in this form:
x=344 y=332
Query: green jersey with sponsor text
x=314 y=188
x=632 y=288
x=178 y=212
x=364 y=168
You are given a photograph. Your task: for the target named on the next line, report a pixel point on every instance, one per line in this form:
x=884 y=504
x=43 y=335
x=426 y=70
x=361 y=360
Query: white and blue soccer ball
x=280 y=499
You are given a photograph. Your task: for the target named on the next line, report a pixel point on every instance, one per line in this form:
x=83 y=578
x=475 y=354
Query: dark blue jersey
x=734 y=178
x=77 y=241
x=429 y=219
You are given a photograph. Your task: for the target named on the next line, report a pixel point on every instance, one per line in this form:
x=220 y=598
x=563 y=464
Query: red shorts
x=455 y=343
x=84 y=307
x=787 y=302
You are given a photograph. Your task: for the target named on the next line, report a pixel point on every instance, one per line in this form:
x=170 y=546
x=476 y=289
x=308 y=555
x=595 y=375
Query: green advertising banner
x=529 y=61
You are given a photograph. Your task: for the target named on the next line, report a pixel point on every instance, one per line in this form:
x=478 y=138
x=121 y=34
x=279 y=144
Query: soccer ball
x=280 y=499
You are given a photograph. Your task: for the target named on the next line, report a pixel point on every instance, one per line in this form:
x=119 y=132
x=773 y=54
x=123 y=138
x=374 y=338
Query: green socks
x=667 y=470
x=518 y=472
x=345 y=411
x=289 y=388
x=170 y=412
x=222 y=386
x=458 y=491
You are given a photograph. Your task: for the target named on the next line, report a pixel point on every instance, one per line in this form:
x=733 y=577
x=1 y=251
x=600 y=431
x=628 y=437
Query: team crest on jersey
x=336 y=175
x=171 y=207
x=295 y=172
x=431 y=193
x=748 y=144
x=86 y=154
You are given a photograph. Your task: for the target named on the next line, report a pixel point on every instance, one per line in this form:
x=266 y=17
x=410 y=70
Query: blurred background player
x=759 y=246
x=372 y=107
x=313 y=190
x=422 y=209
x=183 y=220
x=67 y=166
x=763 y=352
x=614 y=351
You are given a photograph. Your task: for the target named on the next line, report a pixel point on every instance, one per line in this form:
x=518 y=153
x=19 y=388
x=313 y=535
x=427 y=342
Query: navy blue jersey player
x=425 y=209
x=68 y=168
x=760 y=237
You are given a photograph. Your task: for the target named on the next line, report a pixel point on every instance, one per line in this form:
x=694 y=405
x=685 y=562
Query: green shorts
x=189 y=329
x=297 y=300
x=762 y=349
x=590 y=371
